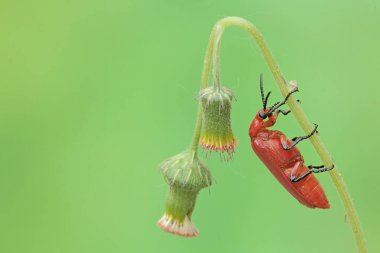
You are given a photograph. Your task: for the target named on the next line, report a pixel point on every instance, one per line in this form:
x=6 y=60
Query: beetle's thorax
x=255 y=126
x=259 y=124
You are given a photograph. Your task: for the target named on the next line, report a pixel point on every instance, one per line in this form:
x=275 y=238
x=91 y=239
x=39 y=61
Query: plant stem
x=204 y=84
x=218 y=30
x=214 y=42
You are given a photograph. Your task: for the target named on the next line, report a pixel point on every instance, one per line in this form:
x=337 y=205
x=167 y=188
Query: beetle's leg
x=279 y=104
x=296 y=140
x=283 y=112
x=319 y=170
x=315 y=167
x=294 y=172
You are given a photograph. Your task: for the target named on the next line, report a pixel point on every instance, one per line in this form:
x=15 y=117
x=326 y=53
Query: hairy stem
x=204 y=84
x=218 y=30
x=214 y=43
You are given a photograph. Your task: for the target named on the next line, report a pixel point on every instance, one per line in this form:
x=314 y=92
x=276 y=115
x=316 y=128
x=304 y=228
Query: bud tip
x=185 y=228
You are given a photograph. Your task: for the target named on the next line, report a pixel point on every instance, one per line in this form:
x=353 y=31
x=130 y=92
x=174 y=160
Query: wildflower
x=216 y=132
x=186 y=176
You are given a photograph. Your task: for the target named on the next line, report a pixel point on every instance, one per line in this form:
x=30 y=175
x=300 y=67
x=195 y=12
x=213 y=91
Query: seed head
x=216 y=132
x=186 y=176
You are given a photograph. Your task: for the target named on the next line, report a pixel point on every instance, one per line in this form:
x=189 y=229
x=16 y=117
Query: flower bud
x=216 y=129
x=186 y=176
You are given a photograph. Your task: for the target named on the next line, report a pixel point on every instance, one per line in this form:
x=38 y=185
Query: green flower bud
x=216 y=132
x=186 y=176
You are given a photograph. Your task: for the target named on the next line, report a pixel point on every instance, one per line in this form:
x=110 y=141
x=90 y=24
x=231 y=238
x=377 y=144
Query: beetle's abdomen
x=308 y=191
x=280 y=162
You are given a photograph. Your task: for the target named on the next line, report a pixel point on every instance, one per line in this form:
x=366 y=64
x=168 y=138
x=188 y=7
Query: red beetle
x=282 y=158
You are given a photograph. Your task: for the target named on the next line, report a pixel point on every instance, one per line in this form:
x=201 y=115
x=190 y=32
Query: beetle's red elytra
x=283 y=159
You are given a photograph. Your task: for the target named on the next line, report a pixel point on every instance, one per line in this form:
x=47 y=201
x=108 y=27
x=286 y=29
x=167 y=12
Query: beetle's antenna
x=266 y=100
x=262 y=90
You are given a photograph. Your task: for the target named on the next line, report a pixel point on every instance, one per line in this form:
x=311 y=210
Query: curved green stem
x=214 y=42
x=218 y=30
x=204 y=84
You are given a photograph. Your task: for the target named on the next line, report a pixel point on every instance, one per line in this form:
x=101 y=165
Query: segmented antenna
x=266 y=100
x=263 y=99
x=262 y=90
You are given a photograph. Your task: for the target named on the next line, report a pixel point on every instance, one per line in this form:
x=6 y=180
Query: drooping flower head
x=216 y=132
x=186 y=176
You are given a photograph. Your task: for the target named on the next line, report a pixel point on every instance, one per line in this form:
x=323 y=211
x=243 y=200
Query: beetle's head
x=264 y=113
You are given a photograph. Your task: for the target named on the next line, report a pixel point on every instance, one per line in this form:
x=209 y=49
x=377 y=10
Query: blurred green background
x=95 y=94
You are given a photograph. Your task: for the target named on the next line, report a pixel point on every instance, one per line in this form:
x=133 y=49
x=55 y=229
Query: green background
x=95 y=94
